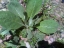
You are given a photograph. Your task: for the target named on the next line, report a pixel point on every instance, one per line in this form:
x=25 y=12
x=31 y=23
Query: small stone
x=62 y=35
x=1 y=40
x=51 y=40
x=1 y=6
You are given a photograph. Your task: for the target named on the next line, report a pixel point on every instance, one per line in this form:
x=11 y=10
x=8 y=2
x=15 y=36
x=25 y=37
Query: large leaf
x=48 y=26
x=33 y=7
x=17 y=9
x=9 y=20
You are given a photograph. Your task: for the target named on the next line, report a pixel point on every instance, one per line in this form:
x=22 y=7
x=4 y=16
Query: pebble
x=3 y=4
x=1 y=40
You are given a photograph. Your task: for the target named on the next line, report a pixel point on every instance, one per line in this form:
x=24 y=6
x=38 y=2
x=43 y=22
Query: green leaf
x=10 y=45
x=29 y=34
x=16 y=39
x=48 y=26
x=39 y=35
x=22 y=43
x=33 y=7
x=45 y=2
x=4 y=32
x=9 y=20
x=31 y=22
x=17 y=9
x=23 y=33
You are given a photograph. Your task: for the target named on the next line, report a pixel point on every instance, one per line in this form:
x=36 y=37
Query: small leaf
x=31 y=22
x=17 y=9
x=45 y=2
x=39 y=35
x=16 y=39
x=33 y=7
x=37 y=20
x=23 y=33
x=48 y=26
x=29 y=34
x=22 y=43
x=10 y=45
x=9 y=20
x=4 y=32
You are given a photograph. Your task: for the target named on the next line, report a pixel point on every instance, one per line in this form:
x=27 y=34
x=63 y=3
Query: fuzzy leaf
x=9 y=20
x=33 y=7
x=22 y=43
x=10 y=45
x=31 y=22
x=39 y=35
x=4 y=32
x=23 y=33
x=17 y=9
x=29 y=34
x=16 y=39
x=48 y=26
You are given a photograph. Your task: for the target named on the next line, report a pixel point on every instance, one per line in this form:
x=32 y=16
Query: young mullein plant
x=27 y=22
